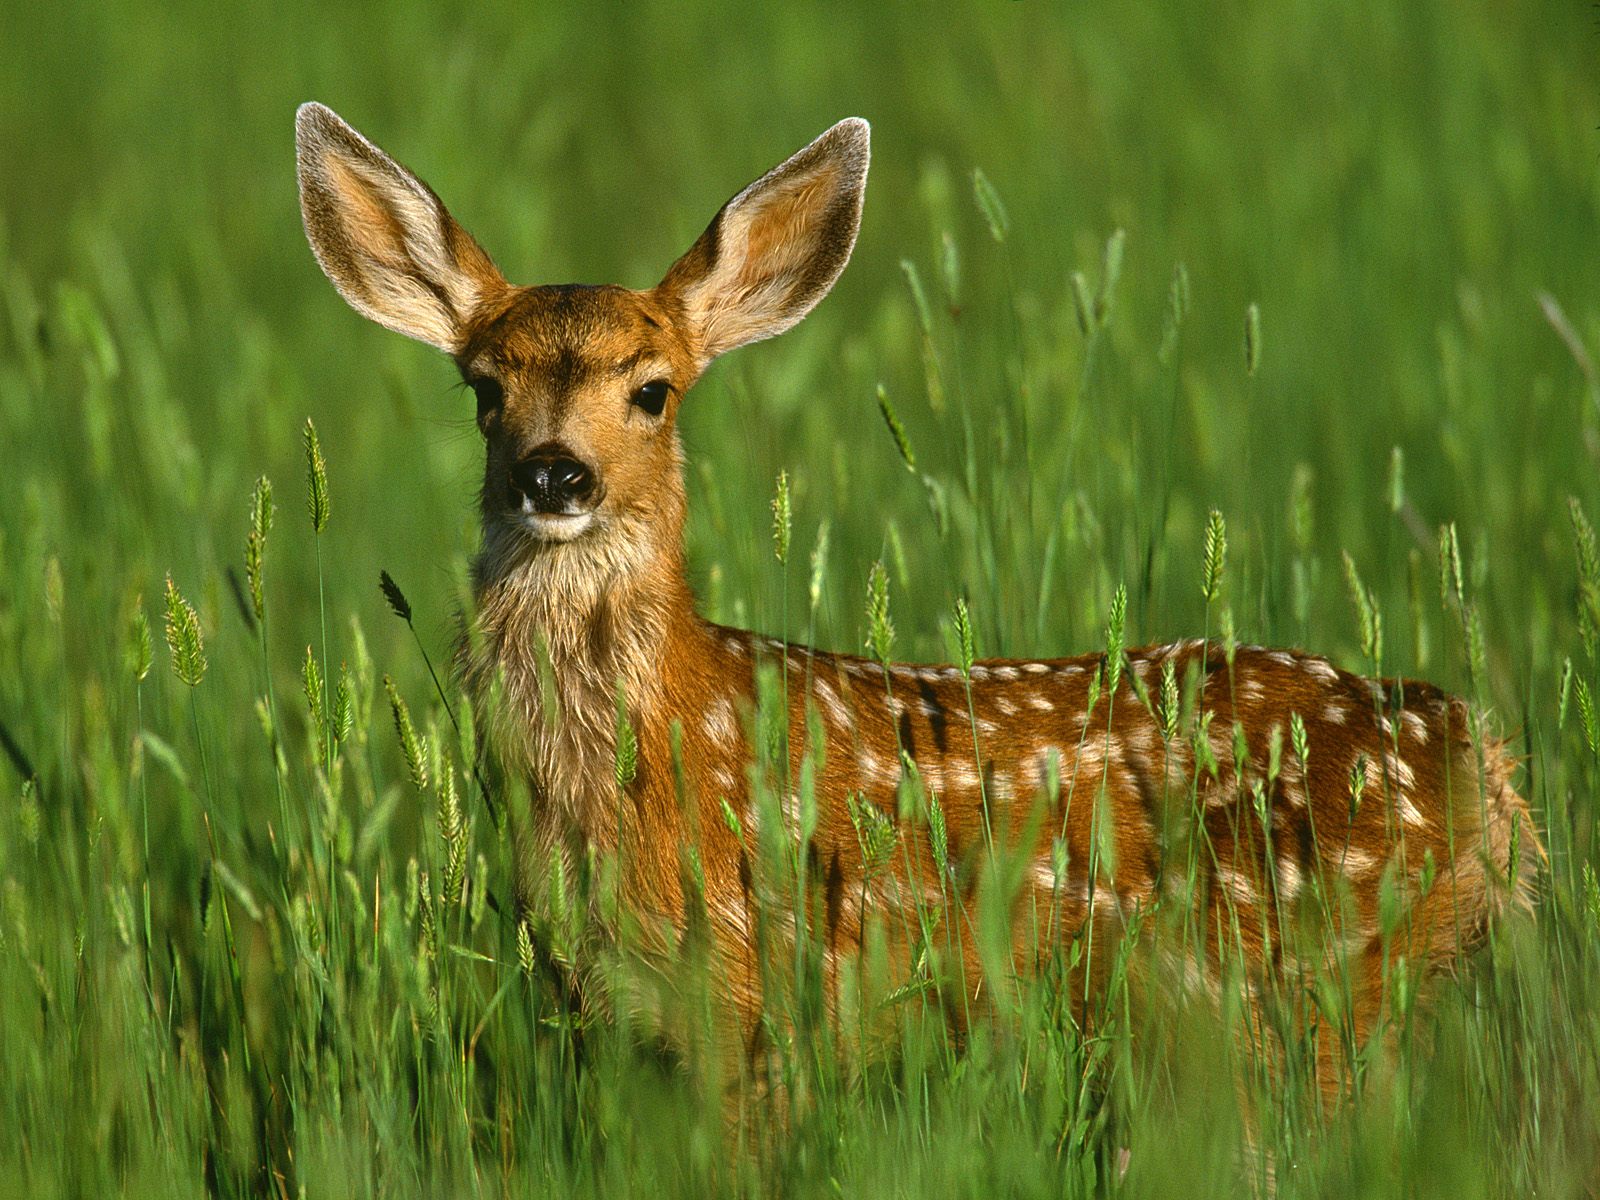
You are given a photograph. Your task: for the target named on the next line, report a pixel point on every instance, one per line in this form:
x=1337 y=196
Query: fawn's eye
x=490 y=395
x=652 y=396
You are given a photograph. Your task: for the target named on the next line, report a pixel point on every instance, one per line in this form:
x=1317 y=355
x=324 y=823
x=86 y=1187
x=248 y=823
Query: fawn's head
x=578 y=387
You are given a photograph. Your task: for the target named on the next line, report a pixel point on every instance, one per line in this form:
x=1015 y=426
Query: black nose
x=552 y=480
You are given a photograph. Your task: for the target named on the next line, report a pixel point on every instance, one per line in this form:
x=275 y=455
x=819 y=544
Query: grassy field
x=239 y=958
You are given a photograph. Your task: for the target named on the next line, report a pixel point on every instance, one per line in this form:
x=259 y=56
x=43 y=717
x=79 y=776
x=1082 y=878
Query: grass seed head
x=938 y=836
x=964 y=641
x=184 y=638
x=1083 y=303
x=1115 y=637
x=311 y=685
x=896 y=429
x=398 y=604
x=1215 y=556
x=1368 y=616
x=136 y=651
x=1170 y=703
x=255 y=545
x=1177 y=309
x=994 y=212
x=317 y=504
x=1252 y=338
x=1358 y=784
x=782 y=520
x=880 y=629
x=1110 y=276
x=525 y=959
x=919 y=296
x=819 y=565
x=731 y=820
x=1450 y=565
x=410 y=745
x=1563 y=692
x=874 y=831
x=950 y=269
x=627 y=748
x=343 y=706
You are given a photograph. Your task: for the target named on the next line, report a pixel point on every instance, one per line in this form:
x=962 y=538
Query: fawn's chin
x=554 y=527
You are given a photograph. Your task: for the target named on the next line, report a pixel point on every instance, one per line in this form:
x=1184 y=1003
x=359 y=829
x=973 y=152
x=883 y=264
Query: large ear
x=776 y=248
x=383 y=237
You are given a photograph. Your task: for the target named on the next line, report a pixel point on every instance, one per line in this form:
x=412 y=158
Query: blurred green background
x=1391 y=184
x=1394 y=186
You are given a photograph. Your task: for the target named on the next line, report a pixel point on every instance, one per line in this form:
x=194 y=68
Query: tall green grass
x=1326 y=270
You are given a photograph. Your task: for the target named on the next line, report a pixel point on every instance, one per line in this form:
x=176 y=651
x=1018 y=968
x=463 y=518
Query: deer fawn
x=1301 y=783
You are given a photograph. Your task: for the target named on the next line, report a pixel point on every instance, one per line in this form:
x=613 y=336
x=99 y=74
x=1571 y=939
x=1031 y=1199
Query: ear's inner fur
x=383 y=237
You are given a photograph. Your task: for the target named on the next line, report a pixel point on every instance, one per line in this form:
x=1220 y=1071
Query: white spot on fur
x=1008 y=672
x=872 y=766
x=1250 y=688
x=1288 y=879
x=963 y=774
x=719 y=725
x=1221 y=742
x=1358 y=862
x=1141 y=743
x=1043 y=874
x=1400 y=770
x=1321 y=668
x=1039 y=702
x=1413 y=724
x=1408 y=812
x=1113 y=746
x=1236 y=885
x=1090 y=758
x=734 y=645
x=1006 y=705
x=731 y=914
x=832 y=707
x=1335 y=713
x=1282 y=657
x=1036 y=668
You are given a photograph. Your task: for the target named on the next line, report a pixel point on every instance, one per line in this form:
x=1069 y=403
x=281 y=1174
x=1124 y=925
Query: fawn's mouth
x=552 y=527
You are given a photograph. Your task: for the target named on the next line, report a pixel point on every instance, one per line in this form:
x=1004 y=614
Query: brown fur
x=565 y=624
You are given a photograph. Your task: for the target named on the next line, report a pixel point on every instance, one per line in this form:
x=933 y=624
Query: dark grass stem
x=401 y=607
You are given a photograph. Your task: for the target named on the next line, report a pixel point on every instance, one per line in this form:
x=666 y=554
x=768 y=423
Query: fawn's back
x=1293 y=815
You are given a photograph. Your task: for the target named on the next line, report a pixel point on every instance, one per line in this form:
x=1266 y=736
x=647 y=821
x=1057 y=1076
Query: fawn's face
x=577 y=387
x=578 y=391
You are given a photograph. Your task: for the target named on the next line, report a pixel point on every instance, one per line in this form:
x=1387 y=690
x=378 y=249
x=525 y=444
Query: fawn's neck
x=561 y=628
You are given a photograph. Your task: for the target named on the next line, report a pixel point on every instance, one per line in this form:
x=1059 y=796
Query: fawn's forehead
x=564 y=336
